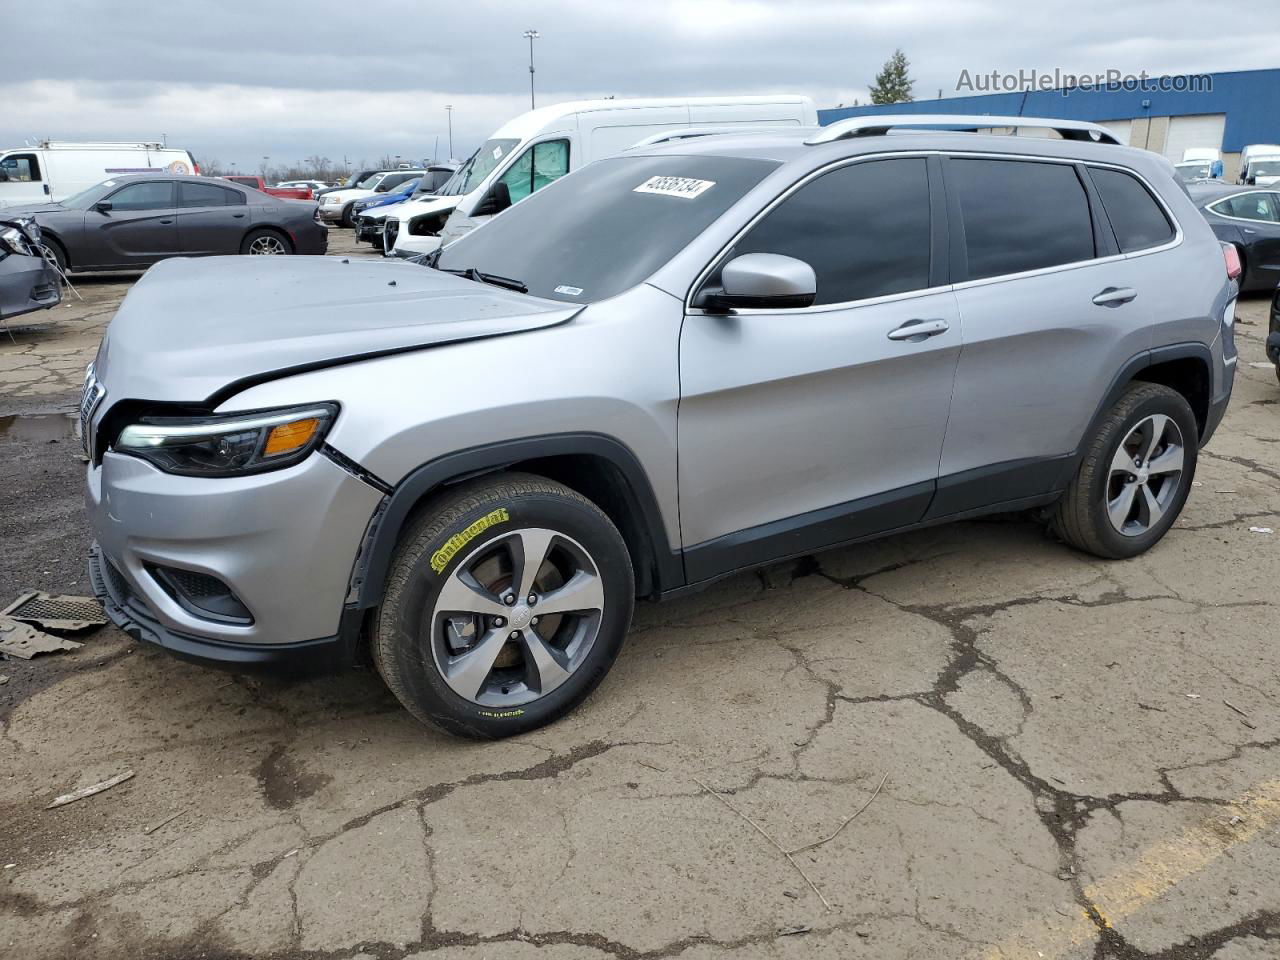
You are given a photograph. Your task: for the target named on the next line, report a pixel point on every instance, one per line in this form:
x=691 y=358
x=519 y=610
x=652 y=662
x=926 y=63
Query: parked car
x=57 y=169
x=369 y=229
x=315 y=186
x=1263 y=171
x=257 y=183
x=371 y=220
x=1191 y=171
x=132 y=222
x=1250 y=220
x=349 y=181
x=540 y=146
x=713 y=355
x=28 y=281
x=1255 y=151
x=339 y=205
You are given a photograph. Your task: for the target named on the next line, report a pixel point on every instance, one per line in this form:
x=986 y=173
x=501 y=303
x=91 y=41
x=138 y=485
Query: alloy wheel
x=1145 y=475
x=516 y=618
x=267 y=246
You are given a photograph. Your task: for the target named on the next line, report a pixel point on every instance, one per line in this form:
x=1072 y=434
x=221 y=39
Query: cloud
x=287 y=79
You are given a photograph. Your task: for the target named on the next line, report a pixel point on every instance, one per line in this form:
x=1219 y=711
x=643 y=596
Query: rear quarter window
x=1136 y=217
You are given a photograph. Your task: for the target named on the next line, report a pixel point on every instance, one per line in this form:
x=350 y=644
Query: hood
x=194 y=329
x=30 y=209
x=421 y=205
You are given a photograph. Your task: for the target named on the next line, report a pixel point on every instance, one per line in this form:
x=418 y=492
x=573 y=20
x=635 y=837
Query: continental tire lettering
x=501 y=714
x=440 y=559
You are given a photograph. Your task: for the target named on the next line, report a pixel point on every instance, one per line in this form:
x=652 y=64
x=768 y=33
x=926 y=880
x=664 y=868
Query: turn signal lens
x=290 y=436
x=1231 y=254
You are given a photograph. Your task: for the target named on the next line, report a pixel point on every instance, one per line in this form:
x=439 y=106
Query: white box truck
x=542 y=145
x=53 y=170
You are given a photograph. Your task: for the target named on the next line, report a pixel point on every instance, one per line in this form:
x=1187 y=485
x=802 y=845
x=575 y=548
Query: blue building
x=1165 y=114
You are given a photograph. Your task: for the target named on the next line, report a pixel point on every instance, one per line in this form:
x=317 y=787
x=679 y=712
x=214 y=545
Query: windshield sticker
x=568 y=291
x=685 y=187
x=497 y=153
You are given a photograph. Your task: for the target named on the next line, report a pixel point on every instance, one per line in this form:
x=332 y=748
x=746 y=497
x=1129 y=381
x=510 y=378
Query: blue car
x=365 y=229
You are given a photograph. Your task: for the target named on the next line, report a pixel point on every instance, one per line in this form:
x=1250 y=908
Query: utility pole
x=531 y=35
x=448 y=109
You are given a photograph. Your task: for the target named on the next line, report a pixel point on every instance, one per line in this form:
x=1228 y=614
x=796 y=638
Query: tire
x=265 y=241
x=52 y=249
x=1083 y=517
x=486 y=675
x=348 y=218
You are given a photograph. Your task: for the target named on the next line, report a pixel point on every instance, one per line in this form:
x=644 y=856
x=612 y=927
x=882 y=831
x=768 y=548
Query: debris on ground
x=24 y=641
x=794 y=931
x=56 y=612
x=3 y=679
x=1261 y=530
x=169 y=819
x=83 y=792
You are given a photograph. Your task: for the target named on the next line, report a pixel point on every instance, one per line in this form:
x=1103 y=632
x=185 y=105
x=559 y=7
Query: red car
x=257 y=183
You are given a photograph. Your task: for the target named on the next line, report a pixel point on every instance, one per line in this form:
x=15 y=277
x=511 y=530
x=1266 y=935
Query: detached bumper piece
x=27 y=284
x=127 y=611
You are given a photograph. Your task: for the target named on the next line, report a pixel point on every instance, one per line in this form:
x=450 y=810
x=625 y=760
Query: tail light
x=1231 y=254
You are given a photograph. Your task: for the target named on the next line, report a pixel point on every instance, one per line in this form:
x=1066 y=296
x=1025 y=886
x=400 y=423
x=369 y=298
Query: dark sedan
x=1248 y=217
x=134 y=221
x=27 y=280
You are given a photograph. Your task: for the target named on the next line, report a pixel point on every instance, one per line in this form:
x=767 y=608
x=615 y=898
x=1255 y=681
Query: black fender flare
x=373 y=566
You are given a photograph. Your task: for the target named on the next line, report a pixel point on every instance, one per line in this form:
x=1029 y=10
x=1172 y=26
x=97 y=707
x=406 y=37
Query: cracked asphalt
x=1074 y=758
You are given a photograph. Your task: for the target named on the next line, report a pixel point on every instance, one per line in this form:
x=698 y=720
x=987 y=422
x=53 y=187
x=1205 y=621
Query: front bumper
x=331 y=214
x=369 y=229
x=283 y=542
x=407 y=245
x=27 y=284
x=311 y=239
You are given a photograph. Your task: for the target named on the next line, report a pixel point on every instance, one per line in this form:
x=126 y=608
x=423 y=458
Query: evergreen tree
x=893 y=83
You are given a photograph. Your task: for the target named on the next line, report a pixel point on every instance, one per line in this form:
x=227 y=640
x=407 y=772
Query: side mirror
x=495 y=201
x=102 y=206
x=762 y=281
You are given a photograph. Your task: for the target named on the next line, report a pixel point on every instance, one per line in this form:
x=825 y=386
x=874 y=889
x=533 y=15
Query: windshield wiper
x=471 y=273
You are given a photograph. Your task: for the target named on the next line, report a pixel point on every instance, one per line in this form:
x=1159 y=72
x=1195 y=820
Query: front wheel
x=1135 y=475
x=507 y=603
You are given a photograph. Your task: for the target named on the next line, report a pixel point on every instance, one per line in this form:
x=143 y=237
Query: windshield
x=435 y=179
x=371 y=181
x=597 y=232
x=85 y=197
x=453 y=186
x=1194 y=171
x=482 y=162
x=1264 y=168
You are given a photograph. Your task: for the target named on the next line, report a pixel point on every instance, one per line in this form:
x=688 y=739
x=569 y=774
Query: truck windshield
x=607 y=227
x=1264 y=168
x=482 y=162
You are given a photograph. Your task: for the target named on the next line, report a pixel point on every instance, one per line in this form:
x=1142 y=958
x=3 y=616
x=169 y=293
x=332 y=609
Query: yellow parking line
x=1156 y=870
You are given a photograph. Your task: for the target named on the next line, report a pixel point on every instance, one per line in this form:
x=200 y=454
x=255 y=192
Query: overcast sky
x=237 y=80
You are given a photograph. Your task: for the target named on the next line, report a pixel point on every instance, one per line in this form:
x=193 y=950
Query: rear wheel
x=348 y=215
x=507 y=603
x=1135 y=475
x=266 y=243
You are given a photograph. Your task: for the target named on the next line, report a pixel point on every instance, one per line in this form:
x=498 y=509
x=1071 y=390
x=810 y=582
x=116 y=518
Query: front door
x=211 y=219
x=803 y=428
x=139 y=228
x=23 y=181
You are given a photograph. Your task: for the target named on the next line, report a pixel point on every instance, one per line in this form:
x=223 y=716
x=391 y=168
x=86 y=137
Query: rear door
x=139 y=228
x=211 y=219
x=801 y=428
x=1051 y=312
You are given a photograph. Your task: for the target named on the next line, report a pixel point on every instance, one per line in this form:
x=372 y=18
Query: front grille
x=93 y=393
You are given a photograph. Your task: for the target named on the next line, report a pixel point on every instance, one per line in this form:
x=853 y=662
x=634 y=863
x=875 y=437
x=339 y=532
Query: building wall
x=1248 y=98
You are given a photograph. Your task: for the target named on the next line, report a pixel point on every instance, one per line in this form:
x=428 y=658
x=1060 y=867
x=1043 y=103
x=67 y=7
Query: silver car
x=667 y=367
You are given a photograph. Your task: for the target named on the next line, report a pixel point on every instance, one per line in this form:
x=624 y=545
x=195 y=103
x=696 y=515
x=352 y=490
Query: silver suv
x=682 y=362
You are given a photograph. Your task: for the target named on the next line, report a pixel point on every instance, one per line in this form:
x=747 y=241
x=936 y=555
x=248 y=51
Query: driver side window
x=541 y=164
x=24 y=168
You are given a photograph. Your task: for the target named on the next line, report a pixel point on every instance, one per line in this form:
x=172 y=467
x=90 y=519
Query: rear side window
x=207 y=195
x=1249 y=206
x=1135 y=215
x=863 y=228
x=1020 y=215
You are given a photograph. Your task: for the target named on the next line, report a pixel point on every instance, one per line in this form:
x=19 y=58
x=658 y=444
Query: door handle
x=916 y=331
x=166 y=221
x=1249 y=230
x=237 y=216
x=1114 y=296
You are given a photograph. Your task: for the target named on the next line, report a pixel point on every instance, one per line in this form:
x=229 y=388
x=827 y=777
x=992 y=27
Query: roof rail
x=874 y=126
x=688 y=133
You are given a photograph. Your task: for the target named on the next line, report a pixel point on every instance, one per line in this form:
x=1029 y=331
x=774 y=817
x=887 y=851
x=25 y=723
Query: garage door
x=1200 y=130
x=1120 y=128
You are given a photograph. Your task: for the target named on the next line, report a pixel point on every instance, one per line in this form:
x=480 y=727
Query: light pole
x=531 y=35
x=448 y=110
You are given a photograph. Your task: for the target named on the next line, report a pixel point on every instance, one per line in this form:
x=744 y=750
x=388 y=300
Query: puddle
x=40 y=426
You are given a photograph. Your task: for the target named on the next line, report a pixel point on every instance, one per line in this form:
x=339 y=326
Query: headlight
x=229 y=444
x=12 y=240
